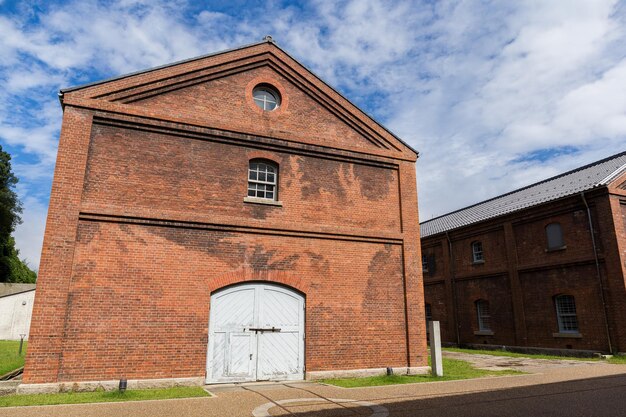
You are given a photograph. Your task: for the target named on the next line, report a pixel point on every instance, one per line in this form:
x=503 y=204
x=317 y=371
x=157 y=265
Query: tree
x=18 y=270
x=12 y=269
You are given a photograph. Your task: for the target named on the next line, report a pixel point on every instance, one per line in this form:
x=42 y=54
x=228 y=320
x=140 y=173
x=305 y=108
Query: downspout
x=454 y=297
x=598 y=274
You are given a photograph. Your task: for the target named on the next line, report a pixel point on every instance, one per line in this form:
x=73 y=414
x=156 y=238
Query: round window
x=266 y=97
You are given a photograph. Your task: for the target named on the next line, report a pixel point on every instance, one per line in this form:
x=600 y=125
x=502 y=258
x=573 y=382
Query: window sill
x=568 y=335
x=483 y=333
x=556 y=249
x=478 y=262
x=264 y=201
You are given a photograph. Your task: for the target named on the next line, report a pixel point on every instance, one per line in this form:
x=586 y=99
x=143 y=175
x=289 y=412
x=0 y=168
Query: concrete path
x=595 y=389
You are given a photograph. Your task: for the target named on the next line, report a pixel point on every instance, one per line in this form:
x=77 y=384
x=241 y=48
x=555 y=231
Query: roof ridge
x=538 y=183
x=613 y=174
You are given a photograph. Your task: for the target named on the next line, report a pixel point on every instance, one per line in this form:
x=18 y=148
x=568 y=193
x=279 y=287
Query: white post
x=436 y=364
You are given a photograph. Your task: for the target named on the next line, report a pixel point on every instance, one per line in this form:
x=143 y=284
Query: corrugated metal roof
x=597 y=174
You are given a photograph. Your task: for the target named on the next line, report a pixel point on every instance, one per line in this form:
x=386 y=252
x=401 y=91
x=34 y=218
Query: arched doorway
x=256 y=333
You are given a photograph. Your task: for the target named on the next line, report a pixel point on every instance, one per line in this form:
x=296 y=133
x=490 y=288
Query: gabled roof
x=126 y=82
x=597 y=174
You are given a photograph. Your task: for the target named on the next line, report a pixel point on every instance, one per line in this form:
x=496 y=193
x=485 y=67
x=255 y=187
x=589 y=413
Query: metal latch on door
x=260 y=329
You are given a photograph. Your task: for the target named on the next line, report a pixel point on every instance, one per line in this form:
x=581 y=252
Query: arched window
x=477 y=252
x=566 y=313
x=554 y=235
x=483 y=314
x=262 y=179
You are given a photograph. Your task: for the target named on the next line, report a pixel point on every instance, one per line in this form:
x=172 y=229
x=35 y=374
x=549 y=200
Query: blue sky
x=494 y=94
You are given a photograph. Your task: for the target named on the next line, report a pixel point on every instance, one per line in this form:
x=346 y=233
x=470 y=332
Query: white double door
x=256 y=332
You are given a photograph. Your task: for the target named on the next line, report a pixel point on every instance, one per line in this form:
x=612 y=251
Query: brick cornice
x=134 y=118
x=553 y=265
x=343 y=234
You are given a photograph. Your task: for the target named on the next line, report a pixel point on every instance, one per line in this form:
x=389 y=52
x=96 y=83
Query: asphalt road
x=602 y=397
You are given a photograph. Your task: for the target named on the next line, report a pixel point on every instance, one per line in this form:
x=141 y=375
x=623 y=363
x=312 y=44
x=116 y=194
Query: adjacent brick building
x=543 y=266
x=238 y=177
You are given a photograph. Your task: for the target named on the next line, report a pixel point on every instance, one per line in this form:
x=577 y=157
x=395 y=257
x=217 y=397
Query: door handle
x=263 y=329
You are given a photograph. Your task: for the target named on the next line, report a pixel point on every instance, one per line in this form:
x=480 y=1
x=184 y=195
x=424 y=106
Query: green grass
x=516 y=355
x=101 y=396
x=9 y=359
x=453 y=369
x=618 y=360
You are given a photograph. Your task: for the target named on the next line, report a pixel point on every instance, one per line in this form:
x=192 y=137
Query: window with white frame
x=266 y=97
x=554 y=235
x=566 y=313
x=424 y=263
x=483 y=314
x=262 y=179
x=477 y=252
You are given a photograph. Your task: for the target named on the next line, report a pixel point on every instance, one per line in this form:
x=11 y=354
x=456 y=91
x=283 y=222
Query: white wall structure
x=16 y=309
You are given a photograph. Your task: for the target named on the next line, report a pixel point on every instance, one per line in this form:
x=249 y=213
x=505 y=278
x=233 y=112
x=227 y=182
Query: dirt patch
x=530 y=365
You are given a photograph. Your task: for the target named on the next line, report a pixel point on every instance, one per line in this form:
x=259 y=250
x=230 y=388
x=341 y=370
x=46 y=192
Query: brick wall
x=162 y=176
x=495 y=290
x=298 y=116
x=147 y=218
x=140 y=298
x=540 y=288
x=520 y=277
x=612 y=234
x=435 y=294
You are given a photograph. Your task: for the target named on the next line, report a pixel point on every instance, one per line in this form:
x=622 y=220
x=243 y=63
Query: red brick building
x=543 y=266
x=226 y=218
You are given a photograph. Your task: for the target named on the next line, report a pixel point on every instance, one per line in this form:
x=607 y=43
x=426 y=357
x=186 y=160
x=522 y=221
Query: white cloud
x=475 y=86
x=595 y=109
x=72 y=43
x=27 y=77
x=546 y=75
x=40 y=139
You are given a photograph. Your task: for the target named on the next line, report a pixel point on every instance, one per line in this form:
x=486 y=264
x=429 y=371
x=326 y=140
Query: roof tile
x=597 y=174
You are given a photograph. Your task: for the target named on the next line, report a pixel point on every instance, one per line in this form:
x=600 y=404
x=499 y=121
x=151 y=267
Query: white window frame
x=561 y=313
x=477 y=252
x=484 y=315
x=264 y=103
x=260 y=188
